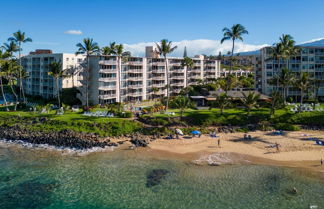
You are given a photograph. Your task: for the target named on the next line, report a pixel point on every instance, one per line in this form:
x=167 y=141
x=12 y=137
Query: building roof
x=314 y=43
x=249 y=53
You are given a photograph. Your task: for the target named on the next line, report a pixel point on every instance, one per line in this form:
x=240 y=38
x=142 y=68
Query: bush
x=286 y=127
x=125 y=114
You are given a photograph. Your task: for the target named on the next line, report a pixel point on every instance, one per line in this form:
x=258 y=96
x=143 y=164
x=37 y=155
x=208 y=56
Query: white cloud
x=73 y=32
x=195 y=47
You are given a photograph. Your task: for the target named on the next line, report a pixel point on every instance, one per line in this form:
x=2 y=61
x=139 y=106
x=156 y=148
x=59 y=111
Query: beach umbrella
x=195 y=132
x=178 y=131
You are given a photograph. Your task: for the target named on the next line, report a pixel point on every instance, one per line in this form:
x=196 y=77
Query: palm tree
x=3 y=57
x=119 y=50
x=88 y=47
x=234 y=33
x=182 y=103
x=285 y=79
x=164 y=48
x=228 y=83
x=154 y=90
x=277 y=102
x=57 y=72
x=189 y=64
x=277 y=53
x=303 y=83
x=11 y=48
x=20 y=38
x=288 y=47
x=222 y=101
x=250 y=101
x=10 y=70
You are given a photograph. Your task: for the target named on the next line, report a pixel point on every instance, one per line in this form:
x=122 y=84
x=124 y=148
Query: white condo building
x=39 y=83
x=143 y=78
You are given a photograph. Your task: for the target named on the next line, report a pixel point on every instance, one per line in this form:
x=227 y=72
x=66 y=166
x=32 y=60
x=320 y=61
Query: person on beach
x=321 y=161
x=218 y=142
x=277 y=147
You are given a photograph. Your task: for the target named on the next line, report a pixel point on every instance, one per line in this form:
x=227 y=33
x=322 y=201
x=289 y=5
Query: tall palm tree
x=10 y=70
x=285 y=79
x=277 y=102
x=3 y=57
x=189 y=64
x=303 y=82
x=57 y=72
x=19 y=37
x=164 y=48
x=119 y=50
x=288 y=47
x=88 y=47
x=234 y=33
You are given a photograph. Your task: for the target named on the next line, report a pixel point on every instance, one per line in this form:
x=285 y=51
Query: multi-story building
x=39 y=83
x=310 y=59
x=143 y=78
x=237 y=73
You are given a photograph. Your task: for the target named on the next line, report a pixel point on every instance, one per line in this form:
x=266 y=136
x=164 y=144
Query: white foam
x=63 y=150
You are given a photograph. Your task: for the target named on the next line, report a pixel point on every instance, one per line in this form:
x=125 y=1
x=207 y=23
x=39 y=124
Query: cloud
x=73 y=32
x=195 y=47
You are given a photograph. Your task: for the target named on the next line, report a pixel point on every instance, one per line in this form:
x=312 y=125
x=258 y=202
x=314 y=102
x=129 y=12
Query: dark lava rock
x=155 y=177
x=139 y=142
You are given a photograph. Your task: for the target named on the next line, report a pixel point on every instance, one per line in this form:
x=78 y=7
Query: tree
x=277 y=102
x=3 y=57
x=234 y=33
x=228 y=83
x=250 y=100
x=57 y=72
x=189 y=64
x=303 y=83
x=10 y=71
x=285 y=79
x=164 y=48
x=182 y=102
x=20 y=38
x=88 y=47
x=246 y=81
x=11 y=48
x=222 y=101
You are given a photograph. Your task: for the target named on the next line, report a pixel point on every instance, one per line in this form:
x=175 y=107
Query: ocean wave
x=63 y=150
x=219 y=159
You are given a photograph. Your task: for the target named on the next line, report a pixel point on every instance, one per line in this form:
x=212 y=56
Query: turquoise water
x=117 y=180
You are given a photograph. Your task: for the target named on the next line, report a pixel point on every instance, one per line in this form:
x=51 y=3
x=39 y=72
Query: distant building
x=38 y=82
x=310 y=59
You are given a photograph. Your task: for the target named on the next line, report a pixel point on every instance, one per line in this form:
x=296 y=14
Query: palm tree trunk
x=14 y=93
x=2 y=91
x=119 y=77
x=168 y=85
x=58 y=92
x=21 y=87
x=231 y=68
x=301 y=99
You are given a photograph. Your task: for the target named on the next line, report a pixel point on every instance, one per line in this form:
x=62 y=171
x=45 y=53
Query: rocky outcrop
x=65 y=138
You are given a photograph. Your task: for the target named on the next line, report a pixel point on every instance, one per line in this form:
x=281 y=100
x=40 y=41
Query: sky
x=60 y=24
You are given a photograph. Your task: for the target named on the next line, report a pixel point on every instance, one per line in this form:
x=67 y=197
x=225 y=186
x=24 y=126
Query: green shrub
x=286 y=127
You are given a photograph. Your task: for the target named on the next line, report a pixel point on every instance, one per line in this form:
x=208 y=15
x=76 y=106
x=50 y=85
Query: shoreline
x=295 y=151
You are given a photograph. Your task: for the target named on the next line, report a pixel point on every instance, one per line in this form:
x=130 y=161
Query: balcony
x=107 y=70
x=135 y=94
x=107 y=62
x=160 y=92
x=109 y=96
x=195 y=76
x=160 y=85
x=210 y=70
x=177 y=77
x=158 y=71
x=135 y=78
x=134 y=63
x=135 y=86
x=158 y=78
x=177 y=91
x=135 y=71
x=177 y=84
x=107 y=79
x=106 y=88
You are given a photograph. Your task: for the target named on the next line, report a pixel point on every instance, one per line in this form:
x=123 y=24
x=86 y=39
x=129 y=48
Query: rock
x=139 y=142
x=155 y=177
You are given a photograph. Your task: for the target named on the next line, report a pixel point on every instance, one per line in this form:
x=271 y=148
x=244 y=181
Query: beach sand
x=296 y=149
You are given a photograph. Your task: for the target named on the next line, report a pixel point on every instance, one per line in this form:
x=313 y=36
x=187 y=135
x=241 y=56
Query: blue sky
x=137 y=22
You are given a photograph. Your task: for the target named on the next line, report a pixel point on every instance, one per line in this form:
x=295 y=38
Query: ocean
x=120 y=179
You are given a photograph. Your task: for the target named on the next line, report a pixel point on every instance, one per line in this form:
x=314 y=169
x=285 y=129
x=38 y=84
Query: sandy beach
x=296 y=149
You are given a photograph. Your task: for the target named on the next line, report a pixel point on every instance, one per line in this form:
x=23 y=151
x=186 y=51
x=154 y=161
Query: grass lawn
x=72 y=121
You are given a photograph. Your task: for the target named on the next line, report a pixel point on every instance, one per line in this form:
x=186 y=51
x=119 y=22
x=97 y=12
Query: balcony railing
x=109 y=96
x=107 y=79
x=107 y=87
